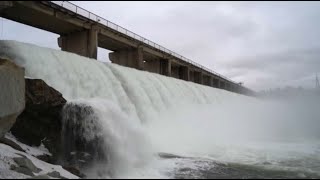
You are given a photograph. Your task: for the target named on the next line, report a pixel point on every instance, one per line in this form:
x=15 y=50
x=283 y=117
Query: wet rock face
x=24 y=162
x=82 y=138
x=12 y=94
x=41 y=119
x=11 y=143
x=74 y=171
x=71 y=132
x=24 y=166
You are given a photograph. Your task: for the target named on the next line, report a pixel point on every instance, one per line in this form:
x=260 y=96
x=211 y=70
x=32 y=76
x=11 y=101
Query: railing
x=80 y=11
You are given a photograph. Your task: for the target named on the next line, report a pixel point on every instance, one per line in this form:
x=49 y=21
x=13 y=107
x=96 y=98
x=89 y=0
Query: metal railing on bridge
x=80 y=11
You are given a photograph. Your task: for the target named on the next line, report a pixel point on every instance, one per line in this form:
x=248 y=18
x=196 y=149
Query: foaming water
x=136 y=115
x=109 y=129
x=274 y=134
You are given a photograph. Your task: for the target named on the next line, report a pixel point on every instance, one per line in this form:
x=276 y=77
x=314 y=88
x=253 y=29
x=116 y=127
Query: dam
x=137 y=114
x=140 y=94
x=64 y=114
x=82 y=32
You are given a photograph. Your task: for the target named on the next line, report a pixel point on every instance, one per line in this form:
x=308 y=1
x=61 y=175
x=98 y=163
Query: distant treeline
x=288 y=92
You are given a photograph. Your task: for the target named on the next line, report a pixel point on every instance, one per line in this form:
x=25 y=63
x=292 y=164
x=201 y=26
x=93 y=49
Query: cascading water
x=121 y=118
x=112 y=141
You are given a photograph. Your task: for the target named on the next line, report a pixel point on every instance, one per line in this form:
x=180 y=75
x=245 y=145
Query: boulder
x=41 y=120
x=11 y=143
x=22 y=170
x=55 y=174
x=40 y=177
x=75 y=171
x=12 y=94
x=24 y=162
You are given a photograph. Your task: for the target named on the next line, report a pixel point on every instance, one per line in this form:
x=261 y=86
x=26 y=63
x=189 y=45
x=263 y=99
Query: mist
x=255 y=131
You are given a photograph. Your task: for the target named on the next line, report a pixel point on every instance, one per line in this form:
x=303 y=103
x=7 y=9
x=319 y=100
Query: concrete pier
x=215 y=82
x=207 y=80
x=165 y=67
x=132 y=57
x=84 y=43
x=184 y=73
x=153 y=66
x=198 y=78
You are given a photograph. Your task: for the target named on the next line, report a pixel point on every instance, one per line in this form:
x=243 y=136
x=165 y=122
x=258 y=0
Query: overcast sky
x=262 y=44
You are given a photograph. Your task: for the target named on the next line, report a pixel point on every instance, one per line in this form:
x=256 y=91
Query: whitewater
x=161 y=127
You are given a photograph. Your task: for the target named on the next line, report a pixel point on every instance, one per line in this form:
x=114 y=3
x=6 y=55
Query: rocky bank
x=30 y=127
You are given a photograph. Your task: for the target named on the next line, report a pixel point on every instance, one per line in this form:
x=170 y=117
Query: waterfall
x=109 y=106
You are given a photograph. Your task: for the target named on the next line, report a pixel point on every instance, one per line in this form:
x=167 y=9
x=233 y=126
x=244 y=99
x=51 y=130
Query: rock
x=13 y=167
x=26 y=163
x=24 y=170
x=169 y=156
x=6 y=122
x=41 y=119
x=12 y=144
x=55 y=174
x=45 y=158
x=74 y=170
x=12 y=94
x=40 y=177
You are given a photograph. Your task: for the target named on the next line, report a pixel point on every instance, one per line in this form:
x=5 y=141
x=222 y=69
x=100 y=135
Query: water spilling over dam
x=135 y=115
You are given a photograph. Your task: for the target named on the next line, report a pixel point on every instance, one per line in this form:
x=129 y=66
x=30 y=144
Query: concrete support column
x=84 y=43
x=215 y=82
x=184 y=73
x=232 y=88
x=207 y=80
x=128 y=57
x=191 y=75
x=222 y=84
x=227 y=87
x=165 y=67
x=93 y=43
x=153 y=66
x=236 y=89
x=210 y=81
x=204 y=79
x=198 y=77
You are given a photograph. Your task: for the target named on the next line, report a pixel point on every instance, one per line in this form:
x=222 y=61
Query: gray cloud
x=279 y=69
